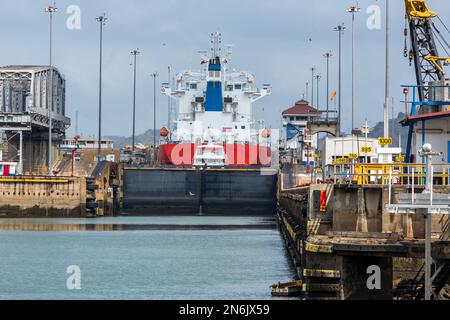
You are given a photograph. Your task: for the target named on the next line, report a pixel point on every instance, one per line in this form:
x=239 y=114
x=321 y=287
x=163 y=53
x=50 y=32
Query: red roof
x=301 y=107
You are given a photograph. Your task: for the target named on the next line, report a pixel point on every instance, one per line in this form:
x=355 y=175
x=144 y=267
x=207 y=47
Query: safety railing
x=388 y=174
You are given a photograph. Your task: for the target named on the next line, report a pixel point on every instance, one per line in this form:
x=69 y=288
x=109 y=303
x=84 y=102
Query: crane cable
x=439 y=18
x=441 y=39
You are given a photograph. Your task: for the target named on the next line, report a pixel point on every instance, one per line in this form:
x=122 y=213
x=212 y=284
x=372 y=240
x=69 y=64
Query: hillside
x=395 y=130
x=144 y=138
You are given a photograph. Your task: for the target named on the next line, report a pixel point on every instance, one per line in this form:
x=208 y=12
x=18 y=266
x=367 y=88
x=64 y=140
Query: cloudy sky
x=277 y=40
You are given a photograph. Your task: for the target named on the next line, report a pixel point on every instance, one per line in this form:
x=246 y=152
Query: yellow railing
x=396 y=173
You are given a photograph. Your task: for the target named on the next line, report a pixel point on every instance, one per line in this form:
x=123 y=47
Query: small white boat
x=210 y=156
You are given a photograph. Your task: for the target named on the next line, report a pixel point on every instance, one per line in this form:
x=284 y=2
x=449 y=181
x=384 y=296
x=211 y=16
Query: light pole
x=313 y=69
x=169 y=103
x=340 y=28
x=154 y=75
x=102 y=21
x=386 y=101
x=327 y=56
x=50 y=10
x=318 y=77
x=353 y=10
x=307 y=90
x=134 y=53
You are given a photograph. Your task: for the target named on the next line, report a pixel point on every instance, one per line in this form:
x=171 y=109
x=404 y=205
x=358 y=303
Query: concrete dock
x=337 y=248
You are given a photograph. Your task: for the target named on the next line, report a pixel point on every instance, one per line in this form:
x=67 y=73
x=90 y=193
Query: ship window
x=237 y=86
x=243 y=127
x=193 y=86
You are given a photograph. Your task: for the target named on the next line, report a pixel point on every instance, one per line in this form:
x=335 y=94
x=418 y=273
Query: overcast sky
x=277 y=40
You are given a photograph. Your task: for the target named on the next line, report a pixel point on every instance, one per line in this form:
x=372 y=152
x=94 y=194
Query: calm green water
x=224 y=258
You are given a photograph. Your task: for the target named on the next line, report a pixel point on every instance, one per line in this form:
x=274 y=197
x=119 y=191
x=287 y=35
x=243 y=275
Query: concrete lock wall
x=362 y=209
x=354 y=248
x=164 y=191
x=42 y=197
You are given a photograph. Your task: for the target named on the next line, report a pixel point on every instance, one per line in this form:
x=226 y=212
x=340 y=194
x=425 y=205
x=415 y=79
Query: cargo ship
x=215 y=110
x=214 y=158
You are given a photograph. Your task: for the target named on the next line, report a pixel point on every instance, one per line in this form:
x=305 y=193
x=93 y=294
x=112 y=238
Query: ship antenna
x=216 y=41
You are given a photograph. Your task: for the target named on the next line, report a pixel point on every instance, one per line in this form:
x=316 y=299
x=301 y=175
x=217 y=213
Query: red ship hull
x=238 y=155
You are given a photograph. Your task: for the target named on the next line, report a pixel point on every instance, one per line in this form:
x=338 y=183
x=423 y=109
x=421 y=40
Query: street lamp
x=318 y=77
x=50 y=10
x=327 y=56
x=169 y=102
x=386 y=101
x=340 y=29
x=154 y=75
x=313 y=69
x=353 y=10
x=134 y=53
x=102 y=21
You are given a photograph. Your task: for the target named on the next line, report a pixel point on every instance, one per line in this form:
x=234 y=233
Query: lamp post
x=386 y=101
x=50 y=10
x=307 y=90
x=340 y=29
x=154 y=75
x=318 y=77
x=327 y=56
x=102 y=21
x=353 y=10
x=134 y=53
x=313 y=69
x=169 y=102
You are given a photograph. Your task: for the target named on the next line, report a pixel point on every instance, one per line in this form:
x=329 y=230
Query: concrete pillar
x=361 y=224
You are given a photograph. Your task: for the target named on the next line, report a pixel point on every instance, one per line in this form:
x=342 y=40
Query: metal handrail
x=397 y=173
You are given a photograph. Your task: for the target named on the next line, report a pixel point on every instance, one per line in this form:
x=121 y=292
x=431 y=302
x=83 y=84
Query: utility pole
x=50 y=10
x=102 y=21
x=386 y=101
x=313 y=69
x=340 y=29
x=353 y=10
x=154 y=75
x=134 y=53
x=327 y=56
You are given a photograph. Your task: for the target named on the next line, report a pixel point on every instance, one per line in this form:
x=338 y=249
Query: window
x=237 y=86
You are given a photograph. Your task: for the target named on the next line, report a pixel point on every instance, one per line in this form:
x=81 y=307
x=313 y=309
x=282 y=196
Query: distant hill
x=395 y=129
x=144 y=138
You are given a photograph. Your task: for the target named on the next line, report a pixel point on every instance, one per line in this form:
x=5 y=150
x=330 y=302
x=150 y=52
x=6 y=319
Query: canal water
x=142 y=258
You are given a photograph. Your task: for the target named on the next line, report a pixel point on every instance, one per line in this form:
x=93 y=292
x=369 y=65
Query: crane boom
x=423 y=46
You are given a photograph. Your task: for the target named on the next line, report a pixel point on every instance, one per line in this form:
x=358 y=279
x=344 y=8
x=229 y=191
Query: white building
x=342 y=147
x=298 y=116
x=86 y=143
